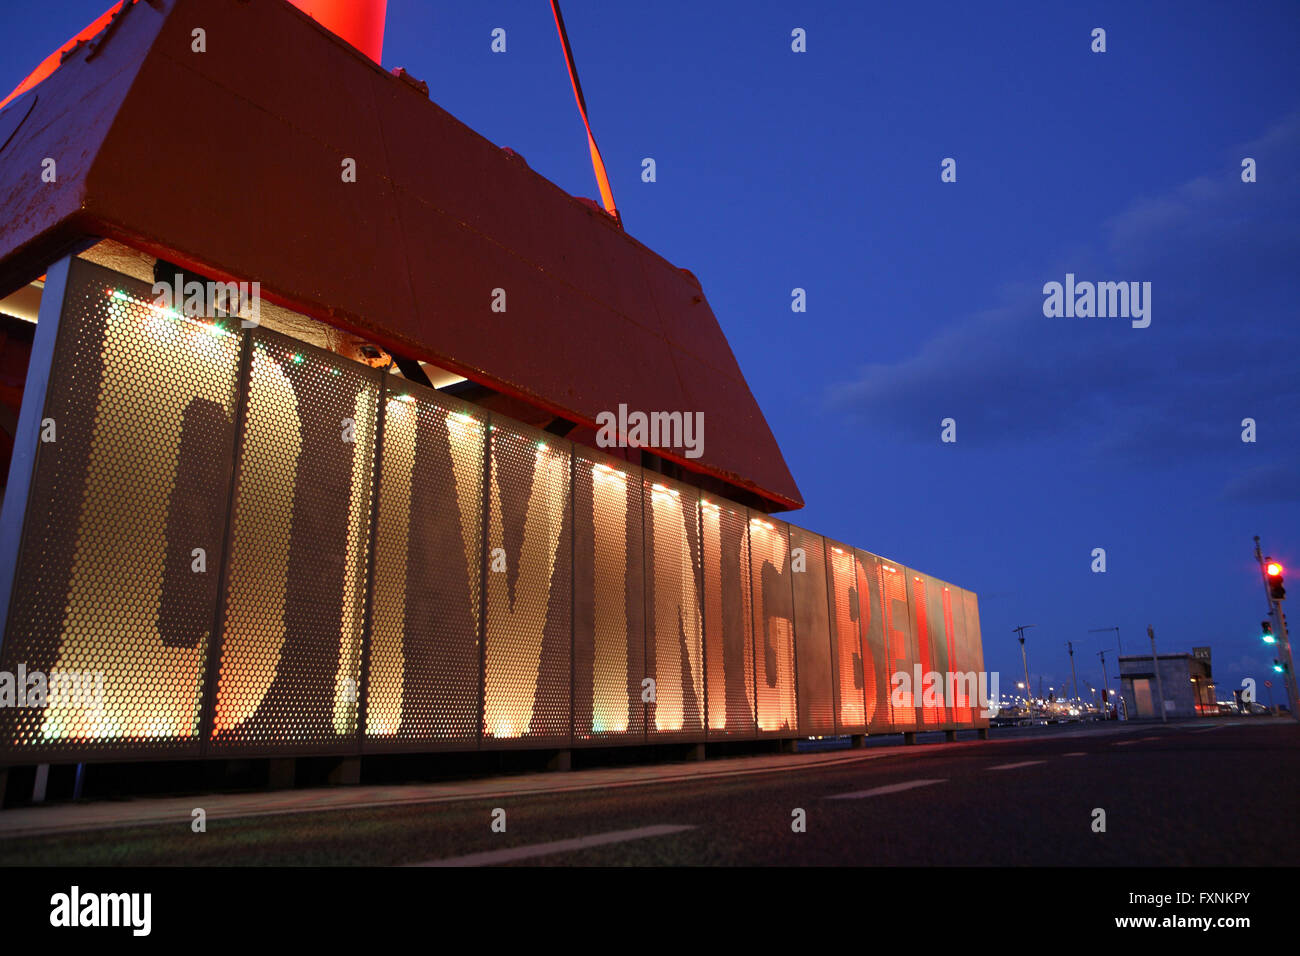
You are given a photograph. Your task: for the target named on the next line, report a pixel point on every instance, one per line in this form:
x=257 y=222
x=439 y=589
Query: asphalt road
x=1207 y=794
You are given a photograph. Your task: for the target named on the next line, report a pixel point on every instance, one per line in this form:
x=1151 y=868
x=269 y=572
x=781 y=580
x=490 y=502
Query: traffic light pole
x=1279 y=618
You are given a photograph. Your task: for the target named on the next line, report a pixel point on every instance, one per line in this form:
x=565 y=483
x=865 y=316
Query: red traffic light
x=1273 y=573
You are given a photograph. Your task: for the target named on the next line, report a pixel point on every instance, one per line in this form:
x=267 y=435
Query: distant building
x=1186 y=679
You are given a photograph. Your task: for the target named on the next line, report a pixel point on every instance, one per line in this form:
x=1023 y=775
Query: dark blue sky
x=821 y=170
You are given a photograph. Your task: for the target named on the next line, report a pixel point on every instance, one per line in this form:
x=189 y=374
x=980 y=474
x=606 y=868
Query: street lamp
x=1119 y=644
x=1023 y=659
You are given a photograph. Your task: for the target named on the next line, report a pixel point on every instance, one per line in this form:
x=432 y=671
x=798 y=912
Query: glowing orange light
x=360 y=22
x=1274 y=569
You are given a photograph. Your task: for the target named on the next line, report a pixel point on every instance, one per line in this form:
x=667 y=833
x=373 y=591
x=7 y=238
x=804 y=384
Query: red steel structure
x=408 y=256
x=264 y=543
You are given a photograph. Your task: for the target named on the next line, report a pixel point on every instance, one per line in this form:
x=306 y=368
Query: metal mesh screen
x=773 y=625
x=423 y=678
x=899 y=652
x=974 y=646
x=728 y=619
x=846 y=597
x=291 y=641
x=609 y=600
x=926 y=629
x=675 y=644
x=875 y=656
x=815 y=662
x=966 y=693
x=519 y=595
x=115 y=591
x=943 y=641
x=529 y=562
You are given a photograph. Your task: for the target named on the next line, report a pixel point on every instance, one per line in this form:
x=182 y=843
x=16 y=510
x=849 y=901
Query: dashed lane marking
x=511 y=854
x=888 y=788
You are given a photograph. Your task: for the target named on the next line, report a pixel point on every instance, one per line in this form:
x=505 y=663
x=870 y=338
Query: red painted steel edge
x=229 y=162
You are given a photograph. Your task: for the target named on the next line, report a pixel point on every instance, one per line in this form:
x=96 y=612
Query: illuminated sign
x=265 y=548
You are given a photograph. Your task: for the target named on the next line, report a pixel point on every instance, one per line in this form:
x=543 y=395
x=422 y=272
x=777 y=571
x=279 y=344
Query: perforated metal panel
x=117 y=580
x=292 y=626
x=609 y=600
x=943 y=638
x=675 y=637
x=728 y=619
x=899 y=650
x=161 y=421
x=944 y=625
x=846 y=606
x=529 y=578
x=774 y=661
x=975 y=646
x=815 y=661
x=424 y=661
x=926 y=629
x=875 y=657
x=966 y=696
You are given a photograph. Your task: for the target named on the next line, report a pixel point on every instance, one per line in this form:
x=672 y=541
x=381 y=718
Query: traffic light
x=1277 y=666
x=1266 y=632
x=1273 y=571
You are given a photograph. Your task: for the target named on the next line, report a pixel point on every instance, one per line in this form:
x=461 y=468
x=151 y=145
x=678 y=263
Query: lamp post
x=1025 y=660
x=1120 y=645
x=1073 y=676
x=1105 y=685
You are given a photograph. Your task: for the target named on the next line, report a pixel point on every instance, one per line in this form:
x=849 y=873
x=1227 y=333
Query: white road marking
x=1013 y=766
x=881 y=791
x=1125 y=743
x=510 y=854
x=1077 y=753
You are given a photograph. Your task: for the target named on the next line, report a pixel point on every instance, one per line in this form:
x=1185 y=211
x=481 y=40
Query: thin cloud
x=1221 y=257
